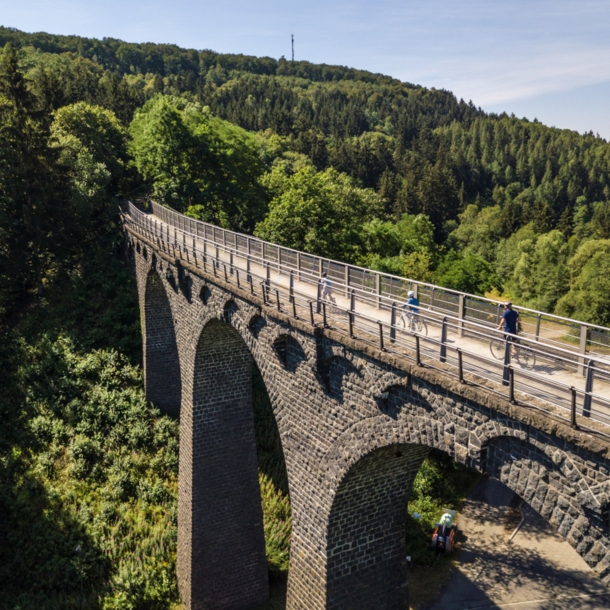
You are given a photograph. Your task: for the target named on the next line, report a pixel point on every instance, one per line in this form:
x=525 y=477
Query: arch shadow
x=162 y=378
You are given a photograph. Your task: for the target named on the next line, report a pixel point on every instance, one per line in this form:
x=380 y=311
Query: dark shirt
x=510 y=317
x=413 y=304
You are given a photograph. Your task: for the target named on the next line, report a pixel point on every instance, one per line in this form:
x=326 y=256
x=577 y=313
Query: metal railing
x=562 y=377
x=581 y=337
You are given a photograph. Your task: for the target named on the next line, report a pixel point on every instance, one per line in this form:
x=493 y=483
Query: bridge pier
x=221 y=543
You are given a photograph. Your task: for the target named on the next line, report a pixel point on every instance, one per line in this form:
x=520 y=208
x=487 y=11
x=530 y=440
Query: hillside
x=499 y=191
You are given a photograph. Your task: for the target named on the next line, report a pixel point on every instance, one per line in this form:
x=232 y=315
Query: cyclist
x=412 y=307
x=510 y=322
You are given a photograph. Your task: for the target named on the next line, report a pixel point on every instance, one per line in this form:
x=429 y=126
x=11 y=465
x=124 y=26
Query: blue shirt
x=510 y=317
x=413 y=304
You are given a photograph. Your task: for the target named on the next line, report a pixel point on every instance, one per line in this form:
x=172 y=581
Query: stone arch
x=171 y=278
x=162 y=377
x=229 y=311
x=289 y=352
x=219 y=474
x=256 y=324
x=204 y=294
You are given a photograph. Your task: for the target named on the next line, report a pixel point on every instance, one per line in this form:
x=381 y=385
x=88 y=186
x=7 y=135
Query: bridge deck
x=560 y=381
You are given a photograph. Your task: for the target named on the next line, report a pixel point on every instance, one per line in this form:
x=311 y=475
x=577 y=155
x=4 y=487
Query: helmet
x=410 y=293
x=508 y=304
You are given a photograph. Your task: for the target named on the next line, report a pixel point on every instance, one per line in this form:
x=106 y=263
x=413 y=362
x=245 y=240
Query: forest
x=339 y=162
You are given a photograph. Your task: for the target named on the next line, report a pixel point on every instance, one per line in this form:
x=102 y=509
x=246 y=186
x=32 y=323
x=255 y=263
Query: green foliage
x=589 y=284
x=197 y=163
x=91 y=466
x=467 y=272
x=318 y=212
x=404 y=248
x=479 y=231
x=540 y=275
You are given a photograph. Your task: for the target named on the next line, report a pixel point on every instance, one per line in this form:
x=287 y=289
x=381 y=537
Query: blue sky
x=536 y=58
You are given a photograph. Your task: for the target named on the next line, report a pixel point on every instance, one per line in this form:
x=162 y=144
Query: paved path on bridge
x=537 y=570
x=478 y=356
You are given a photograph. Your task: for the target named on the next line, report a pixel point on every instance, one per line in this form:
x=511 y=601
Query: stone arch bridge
x=355 y=424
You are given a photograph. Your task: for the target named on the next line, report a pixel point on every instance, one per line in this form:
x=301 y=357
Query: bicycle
x=524 y=356
x=412 y=322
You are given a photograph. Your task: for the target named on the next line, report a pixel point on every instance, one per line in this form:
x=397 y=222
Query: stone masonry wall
x=343 y=410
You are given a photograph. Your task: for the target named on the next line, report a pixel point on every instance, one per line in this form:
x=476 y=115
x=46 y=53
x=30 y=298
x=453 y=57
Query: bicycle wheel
x=497 y=347
x=420 y=327
x=401 y=322
x=525 y=357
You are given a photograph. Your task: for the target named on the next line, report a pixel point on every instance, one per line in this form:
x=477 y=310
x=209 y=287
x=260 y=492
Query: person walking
x=327 y=289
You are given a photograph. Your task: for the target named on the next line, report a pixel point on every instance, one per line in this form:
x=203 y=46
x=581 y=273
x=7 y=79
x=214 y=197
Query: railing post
x=294 y=306
x=346 y=279
x=415 y=288
x=381 y=345
x=237 y=276
x=417 y=351
x=586 y=406
x=267 y=275
x=443 y=355
x=249 y=280
x=505 y=373
x=432 y=295
x=319 y=297
x=573 y=408
x=538 y=326
x=460 y=365
x=277 y=297
x=311 y=318
x=231 y=261
x=264 y=291
x=324 y=314
x=291 y=283
x=378 y=289
x=224 y=266
x=582 y=350
x=298 y=266
x=352 y=300
x=461 y=315
x=351 y=323
x=499 y=313
x=393 y=323
x=511 y=384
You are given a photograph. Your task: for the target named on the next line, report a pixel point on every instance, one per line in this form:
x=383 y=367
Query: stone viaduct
x=355 y=424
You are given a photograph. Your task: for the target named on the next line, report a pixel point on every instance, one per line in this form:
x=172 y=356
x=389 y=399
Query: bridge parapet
x=356 y=410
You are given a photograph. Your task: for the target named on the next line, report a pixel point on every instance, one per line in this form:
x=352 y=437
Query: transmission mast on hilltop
x=292 y=39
